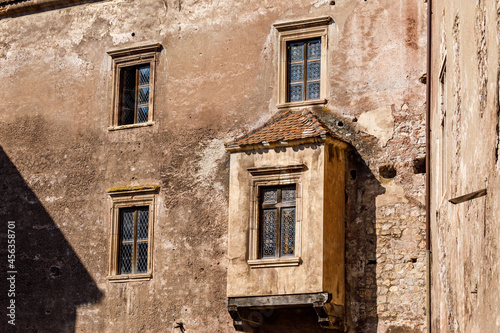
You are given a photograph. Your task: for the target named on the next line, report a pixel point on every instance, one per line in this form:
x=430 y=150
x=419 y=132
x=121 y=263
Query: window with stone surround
x=132 y=220
x=277 y=221
x=133 y=86
x=275 y=216
x=302 y=71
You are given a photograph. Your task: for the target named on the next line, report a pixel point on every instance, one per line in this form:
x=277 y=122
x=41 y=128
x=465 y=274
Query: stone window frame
x=296 y=31
x=129 y=197
x=129 y=57
x=274 y=176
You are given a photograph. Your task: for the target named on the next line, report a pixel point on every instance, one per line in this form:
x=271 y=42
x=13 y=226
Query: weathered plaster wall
x=464 y=158
x=216 y=78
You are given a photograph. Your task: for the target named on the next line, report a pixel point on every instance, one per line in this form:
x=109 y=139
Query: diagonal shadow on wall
x=51 y=282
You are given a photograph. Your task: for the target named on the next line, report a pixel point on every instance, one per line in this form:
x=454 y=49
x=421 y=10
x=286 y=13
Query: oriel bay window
x=286 y=231
x=277 y=221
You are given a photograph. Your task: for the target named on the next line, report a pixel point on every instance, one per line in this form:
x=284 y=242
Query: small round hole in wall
x=54 y=271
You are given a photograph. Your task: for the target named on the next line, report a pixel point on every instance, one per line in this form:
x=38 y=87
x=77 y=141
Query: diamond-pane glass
x=143 y=224
x=269 y=195
x=144 y=75
x=143 y=95
x=313 y=90
x=127 y=230
x=126 y=258
x=295 y=91
x=142 y=114
x=296 y=52
x=314 y=49
x=313 y=70
x=288 y=194
x=269 y=234
x=287 y=231
x=304 y=66
x=142 y=257
x=296 y=73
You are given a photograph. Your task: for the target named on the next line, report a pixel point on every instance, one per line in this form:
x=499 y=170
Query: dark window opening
x=419 y=165
x=387 y=171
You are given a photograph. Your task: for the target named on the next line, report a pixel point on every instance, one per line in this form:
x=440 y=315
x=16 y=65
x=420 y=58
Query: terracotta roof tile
x=285 y=126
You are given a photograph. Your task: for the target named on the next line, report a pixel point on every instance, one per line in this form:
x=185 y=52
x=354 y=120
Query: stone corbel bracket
x=329 y=315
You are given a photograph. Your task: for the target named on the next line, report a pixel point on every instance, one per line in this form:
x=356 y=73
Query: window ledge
x=302 y=103
x=120 y=127
x=274 y=262
x=130 y=277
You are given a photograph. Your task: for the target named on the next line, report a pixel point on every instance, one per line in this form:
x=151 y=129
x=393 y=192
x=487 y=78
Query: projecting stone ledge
x=329 y=315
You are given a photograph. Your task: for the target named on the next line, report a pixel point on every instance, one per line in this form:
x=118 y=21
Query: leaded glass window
x=304 y=70
x=134 y=94
x=277 y=221
x=134 y=231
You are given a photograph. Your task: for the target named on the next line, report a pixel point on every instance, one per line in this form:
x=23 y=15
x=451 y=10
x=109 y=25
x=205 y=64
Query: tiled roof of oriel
x=284 y=127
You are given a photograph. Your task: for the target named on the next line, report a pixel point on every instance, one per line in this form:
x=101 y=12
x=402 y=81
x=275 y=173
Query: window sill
x=274 y=262
x=120 y=127
x=130 y=277
x=301 y=103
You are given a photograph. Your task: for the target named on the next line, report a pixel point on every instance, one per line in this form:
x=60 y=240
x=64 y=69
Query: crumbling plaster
x=216 y=78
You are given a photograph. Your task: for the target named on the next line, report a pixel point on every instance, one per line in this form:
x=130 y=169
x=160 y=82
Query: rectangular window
x=304 y=70
x=275 y=216
x=131 y=243
x=302 y=62
x=134 y=226
x=134 y=91
x=277 y=221
x=133 y=86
